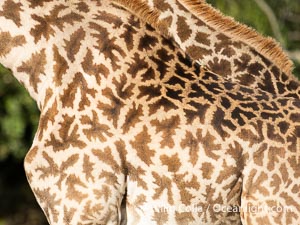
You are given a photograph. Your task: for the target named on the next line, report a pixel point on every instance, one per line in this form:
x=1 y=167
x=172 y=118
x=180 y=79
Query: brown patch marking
x=61 y=66
x=167 y=127
x=140 y=144
x=96 y=130
x=74 y=43
x=11 y=11
x=34 y=67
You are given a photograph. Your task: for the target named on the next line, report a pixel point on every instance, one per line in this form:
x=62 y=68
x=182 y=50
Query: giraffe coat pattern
x=151 y=104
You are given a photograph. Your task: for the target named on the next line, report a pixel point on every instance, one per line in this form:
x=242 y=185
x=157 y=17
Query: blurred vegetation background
x=19 y=114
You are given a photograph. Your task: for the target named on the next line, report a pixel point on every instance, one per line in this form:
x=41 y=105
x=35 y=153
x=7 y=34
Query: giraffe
x=128 y=110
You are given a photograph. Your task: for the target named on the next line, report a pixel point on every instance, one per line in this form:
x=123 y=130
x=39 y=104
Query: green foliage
x=239 y=10
x=18 y=117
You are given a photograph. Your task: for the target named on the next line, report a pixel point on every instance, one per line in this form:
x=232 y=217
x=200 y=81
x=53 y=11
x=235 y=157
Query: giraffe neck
x=223 y=45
